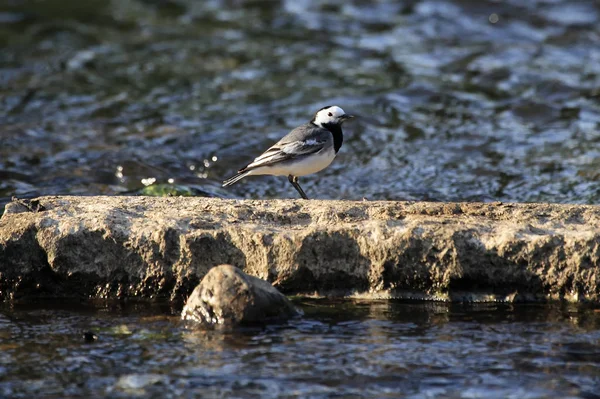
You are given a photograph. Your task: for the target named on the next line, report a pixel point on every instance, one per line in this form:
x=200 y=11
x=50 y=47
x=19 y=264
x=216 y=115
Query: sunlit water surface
x=337 y=349
x=456 y=99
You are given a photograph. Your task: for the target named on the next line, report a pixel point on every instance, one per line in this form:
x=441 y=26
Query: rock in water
x=228 y=296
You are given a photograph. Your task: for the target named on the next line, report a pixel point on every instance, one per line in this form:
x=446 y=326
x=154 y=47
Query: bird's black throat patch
x=338 y=136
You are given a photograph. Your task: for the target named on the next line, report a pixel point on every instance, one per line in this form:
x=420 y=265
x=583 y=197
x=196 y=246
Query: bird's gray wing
x=304 y=140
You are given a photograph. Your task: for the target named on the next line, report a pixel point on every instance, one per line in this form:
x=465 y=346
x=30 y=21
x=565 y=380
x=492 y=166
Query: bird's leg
x=294 y=181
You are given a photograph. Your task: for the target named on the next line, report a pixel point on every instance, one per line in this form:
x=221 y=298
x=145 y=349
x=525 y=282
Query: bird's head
x=330 y=115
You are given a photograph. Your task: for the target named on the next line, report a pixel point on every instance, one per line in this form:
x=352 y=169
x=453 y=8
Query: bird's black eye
x=330 y=114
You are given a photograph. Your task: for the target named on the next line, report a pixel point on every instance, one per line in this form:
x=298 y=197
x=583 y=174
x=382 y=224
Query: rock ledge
x=111 y=247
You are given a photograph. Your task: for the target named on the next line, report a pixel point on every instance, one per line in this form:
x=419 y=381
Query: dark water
x=457 y=99
x=337 y=349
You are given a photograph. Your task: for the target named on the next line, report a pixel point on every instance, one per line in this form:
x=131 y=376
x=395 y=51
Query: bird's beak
x=346 y=117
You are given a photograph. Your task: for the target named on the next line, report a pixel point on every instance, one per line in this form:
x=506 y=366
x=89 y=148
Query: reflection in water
x=457 y=100
x=343 y=348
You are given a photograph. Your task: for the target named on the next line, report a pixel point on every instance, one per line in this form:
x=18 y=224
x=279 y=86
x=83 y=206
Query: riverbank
x=149 y=247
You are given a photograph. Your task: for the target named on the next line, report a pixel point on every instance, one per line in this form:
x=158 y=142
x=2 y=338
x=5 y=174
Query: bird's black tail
x=234 y=179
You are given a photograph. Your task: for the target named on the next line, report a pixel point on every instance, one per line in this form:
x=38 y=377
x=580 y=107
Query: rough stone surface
x=161 y=247
x=227 y=296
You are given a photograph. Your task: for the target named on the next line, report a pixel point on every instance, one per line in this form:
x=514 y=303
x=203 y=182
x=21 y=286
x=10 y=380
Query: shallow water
x=337 y=349
x=456 y=99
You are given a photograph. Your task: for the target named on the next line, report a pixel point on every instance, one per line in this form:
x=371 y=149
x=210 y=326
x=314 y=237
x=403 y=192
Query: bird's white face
x=330 y=115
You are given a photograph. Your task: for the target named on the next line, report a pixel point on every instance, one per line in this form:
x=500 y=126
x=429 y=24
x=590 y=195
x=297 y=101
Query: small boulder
x=228 y=296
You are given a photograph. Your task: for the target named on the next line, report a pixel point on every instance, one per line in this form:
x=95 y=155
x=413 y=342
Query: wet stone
x=227 y=296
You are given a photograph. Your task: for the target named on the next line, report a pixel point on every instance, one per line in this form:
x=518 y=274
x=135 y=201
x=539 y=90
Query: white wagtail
x=307 y=149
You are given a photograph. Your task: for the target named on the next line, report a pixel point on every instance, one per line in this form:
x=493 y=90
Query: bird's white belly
x=302 y=167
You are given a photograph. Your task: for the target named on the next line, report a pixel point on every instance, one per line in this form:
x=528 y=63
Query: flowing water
x=456 y=99
x=343 y=349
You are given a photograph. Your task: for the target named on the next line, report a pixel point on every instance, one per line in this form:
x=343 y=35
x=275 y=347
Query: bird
x=307 y=149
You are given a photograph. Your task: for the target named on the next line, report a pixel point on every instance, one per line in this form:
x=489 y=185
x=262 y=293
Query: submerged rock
x=228 y=296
